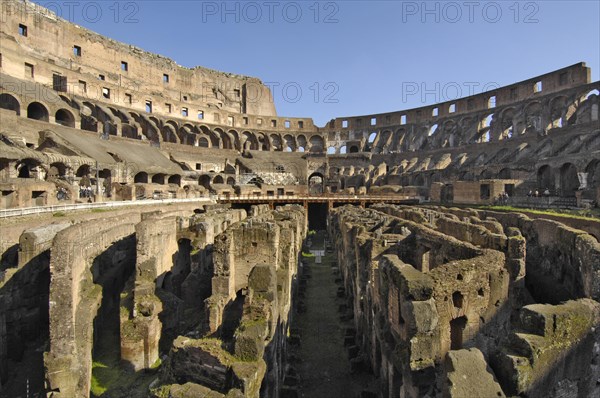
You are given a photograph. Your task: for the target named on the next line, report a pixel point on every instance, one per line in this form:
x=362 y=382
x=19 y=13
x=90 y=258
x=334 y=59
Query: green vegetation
x=59 y=214
x=312 y=232
x=307 y=255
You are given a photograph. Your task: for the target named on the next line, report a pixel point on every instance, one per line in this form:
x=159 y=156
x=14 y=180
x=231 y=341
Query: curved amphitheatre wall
x=150 y=120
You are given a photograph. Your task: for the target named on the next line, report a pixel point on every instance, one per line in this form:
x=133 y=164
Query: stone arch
x=158 y=178
x=56 y=170
x=203 y=142
x=231 y=181
x=204 y=181
x=331 y=150
x=213 y=137
x=83 y=170
x=249 y=141
x=289 y=143
x=218 y=179
x=507 y=123
x=175 y=179
x=276 y=142
x=301 y=140
x=382 y=141
x=64 y=118
x=558 y=112
x=593 y=174
x=317 y=143
x=569 y=180
x=37 y=111
x=235 y=137
x=141 y=178
x=546 y=177
x=316 y=183
x=10 y=103
x=168 y=134
x=26 y=167
x=533 y=117
x=226 y=140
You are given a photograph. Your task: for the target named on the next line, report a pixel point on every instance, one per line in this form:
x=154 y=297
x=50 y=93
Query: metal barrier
x=102 y=205
x=212 y=198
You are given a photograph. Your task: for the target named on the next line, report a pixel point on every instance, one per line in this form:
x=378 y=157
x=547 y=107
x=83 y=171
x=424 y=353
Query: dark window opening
x=149 y=106
x=106 y=92
x=165 y=78
x=28 y=70
x=23 y=30
x=124 y=66
x=457 y=327
x=77 y=51
x=457 y=299
x=484 y=191
x=59 y=83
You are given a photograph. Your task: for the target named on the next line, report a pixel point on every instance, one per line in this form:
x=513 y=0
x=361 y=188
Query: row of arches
x=534 y=117
x=37 y=111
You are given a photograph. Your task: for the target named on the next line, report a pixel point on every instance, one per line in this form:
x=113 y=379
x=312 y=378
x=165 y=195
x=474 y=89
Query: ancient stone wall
x=76 y=299
x=255 y=262
x=421 y=292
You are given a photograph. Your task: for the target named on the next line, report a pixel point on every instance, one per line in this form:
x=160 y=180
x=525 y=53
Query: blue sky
x=326 y=59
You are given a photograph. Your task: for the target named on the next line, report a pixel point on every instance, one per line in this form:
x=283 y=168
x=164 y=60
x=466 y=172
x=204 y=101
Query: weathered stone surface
x=467 y=375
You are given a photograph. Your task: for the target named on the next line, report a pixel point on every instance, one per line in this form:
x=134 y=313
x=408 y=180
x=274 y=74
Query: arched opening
x=315 y=184
x=300 y=149
x=331 y=150
x=276 y=143
x=175 y=179
x=83 y=170
x=569 y=181
x=168 y=134
x=457 y=299
x=432 y=130
x=250 y=141
x=353 y=149
x=372 y=137
x=203 y=142
x=225 y=140
x=343 y=149
x=37 y=111
x=64 y=118
x=28 y=168
x=141 y=178
x=10 y=103
x=317 y=144
x=593 y=176
x=218 y=180
x=158 y=179
x=457 y=327
x=204 y=181
x=545 y=178
x=56 y=170
x=230 y=181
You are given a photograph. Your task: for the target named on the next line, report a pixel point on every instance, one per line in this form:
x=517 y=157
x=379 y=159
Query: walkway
x=324 y=366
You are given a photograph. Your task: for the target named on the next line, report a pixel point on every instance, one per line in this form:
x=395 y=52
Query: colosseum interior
x=166 y=234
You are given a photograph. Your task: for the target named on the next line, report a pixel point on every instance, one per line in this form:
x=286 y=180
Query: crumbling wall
x=255 y=261
x=75 y=300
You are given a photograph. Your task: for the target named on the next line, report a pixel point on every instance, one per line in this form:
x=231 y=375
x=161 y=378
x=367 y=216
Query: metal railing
x=212 y=198
x=102 y=205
